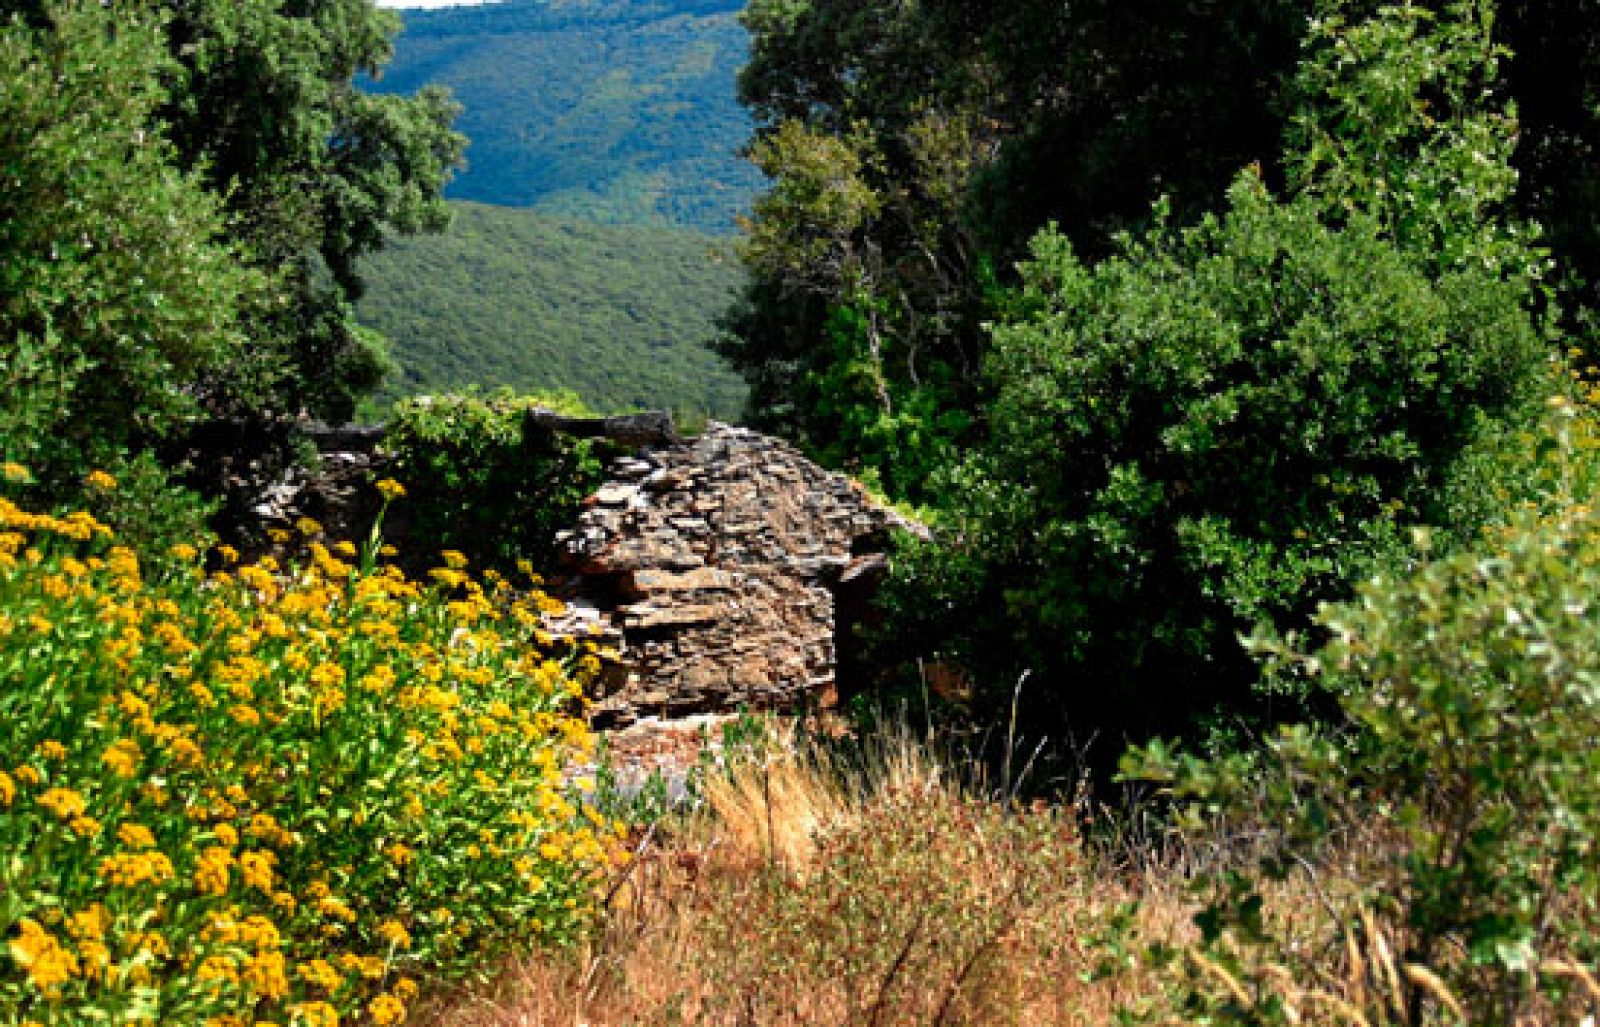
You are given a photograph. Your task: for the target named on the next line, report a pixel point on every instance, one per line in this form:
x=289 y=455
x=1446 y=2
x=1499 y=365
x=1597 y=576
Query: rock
x=648 y=617
x=871 y=565
x=731 y=546
x=616 y=495
x=704 y=579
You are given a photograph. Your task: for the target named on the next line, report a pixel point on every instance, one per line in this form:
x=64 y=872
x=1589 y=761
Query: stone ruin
x=730 y=569
x=727 y=569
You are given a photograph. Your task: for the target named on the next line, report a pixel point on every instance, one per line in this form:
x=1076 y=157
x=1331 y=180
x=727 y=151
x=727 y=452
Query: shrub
x=273 y=793
x=116 y=295
x=483 y=480
x=1469 y=691
x=1219 y=427
x=1226 y=424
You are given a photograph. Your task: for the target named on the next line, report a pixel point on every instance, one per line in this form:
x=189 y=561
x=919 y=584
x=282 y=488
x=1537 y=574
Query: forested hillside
x=596 y=113
x=622 y=316
x=612 y=110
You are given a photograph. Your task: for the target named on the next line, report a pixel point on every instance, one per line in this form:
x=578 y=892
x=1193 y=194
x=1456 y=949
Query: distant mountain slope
x=613 y=110
x=620 y=315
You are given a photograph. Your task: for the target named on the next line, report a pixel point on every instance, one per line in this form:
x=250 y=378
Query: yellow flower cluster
x=275 y=794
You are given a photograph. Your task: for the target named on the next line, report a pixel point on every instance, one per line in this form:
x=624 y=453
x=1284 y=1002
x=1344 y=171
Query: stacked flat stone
x=717 y=560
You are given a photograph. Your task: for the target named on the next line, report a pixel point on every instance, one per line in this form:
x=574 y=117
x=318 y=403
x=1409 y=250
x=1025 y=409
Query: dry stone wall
x=727 y=569
x=718 y=561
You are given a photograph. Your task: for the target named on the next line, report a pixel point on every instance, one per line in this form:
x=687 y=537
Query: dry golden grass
x=886 y=892
x=808 y=893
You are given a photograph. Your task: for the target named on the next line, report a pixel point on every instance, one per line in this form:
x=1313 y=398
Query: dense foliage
x=187 y=189
x=484 y=480
x=1218 y=428
x=1467 y=688
x=1554 y=74
x=914 y=149
x=615 y=111
x=117 y=295
x=315 y=173
x=268 y=793
x=1227 y=424
x=621 y=316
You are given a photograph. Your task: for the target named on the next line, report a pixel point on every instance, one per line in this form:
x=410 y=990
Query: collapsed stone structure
x=727 y=569
x=731 y=567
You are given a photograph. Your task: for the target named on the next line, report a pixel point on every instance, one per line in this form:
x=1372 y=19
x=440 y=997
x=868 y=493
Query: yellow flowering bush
x=274 y=794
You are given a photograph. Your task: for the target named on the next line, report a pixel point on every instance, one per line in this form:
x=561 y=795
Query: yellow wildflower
x=315 y=1014
x=185 y=752
x=379 y=680
x=319 y=973
x=96 y=959
x=136 y=836
x=386 y=1010
x=211 y=871
x=122 y=759
x=8 y=789
x=326 y=702
x=15 y=473
x=335 y=907
x=390 y=489
x=131 y=869
x=256 y=869
x=90 y=923
x=218 y=968
x=265 y=974
x=64 y=802
x=51 y=749
x=260 y=932
x=265 y=827
x=41 y=955
x=147 y=942
x=100 y=480
x=393 y=932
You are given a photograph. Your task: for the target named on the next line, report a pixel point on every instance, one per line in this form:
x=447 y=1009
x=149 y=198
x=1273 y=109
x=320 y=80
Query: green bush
x=117 y=298
x=1468 y=691
x=1225 y=424
x=481 y=479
